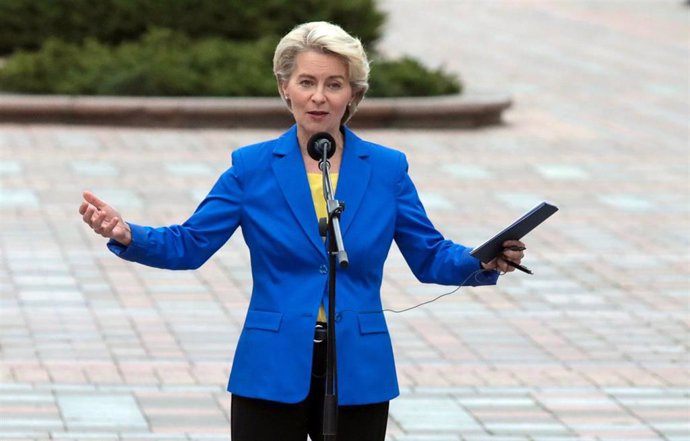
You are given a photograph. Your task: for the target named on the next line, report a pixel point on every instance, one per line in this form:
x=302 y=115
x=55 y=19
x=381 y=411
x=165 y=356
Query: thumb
x=93 y=200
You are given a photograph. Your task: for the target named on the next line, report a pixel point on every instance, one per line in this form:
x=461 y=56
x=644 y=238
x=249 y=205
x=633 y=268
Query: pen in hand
x=517 y=265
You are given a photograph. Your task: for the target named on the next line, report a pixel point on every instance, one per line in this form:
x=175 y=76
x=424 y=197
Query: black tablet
x=493 y=247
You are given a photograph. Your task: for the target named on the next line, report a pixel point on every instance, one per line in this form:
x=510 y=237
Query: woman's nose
x=318 y=96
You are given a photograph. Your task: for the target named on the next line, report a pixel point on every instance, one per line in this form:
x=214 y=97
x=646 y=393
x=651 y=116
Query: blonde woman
x=273 y=192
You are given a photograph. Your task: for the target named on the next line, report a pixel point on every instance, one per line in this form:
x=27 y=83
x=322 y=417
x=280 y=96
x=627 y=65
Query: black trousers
x=261 y=420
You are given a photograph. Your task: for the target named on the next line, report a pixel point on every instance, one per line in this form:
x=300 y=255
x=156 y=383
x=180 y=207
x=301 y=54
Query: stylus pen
x=518 y=266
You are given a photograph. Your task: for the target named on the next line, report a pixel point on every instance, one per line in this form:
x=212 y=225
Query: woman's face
x=319 y=92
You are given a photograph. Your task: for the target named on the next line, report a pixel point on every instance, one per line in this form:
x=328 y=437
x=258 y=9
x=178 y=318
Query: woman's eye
x=335 y=86
x=305 y=83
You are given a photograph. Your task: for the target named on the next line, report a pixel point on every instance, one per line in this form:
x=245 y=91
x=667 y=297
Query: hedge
x=167 y=63
x=26 y=24
x=407 y=77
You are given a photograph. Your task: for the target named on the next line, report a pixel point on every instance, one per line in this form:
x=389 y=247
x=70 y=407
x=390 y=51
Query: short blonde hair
x=327 y=38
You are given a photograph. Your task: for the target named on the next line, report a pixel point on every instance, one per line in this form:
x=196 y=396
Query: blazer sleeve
x=431 y=258
x=189 y=245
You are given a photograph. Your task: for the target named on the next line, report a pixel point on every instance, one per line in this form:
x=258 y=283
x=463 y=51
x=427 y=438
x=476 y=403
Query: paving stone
x=10 y=168
x=426 y=437
x=79 y=436
x=562 y=172
x=130 y=436
x=189 y=169
x=468 y=172
x=23 y=435
x=30 y=423
x=18 y=198
x=427 y=414
x=94 y=168
x=100 y=411
x=627 y=202
x=435 y=201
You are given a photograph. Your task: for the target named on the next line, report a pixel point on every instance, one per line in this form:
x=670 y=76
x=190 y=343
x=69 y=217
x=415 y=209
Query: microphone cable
x=400 y=311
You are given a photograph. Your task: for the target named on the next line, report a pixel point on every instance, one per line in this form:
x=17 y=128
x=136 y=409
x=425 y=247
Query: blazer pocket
x=266 y=320
x=372 y=323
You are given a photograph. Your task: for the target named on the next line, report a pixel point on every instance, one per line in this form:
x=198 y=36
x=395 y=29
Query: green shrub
x=179 y=47
x=163 y=63
x=407 y=77
x=166 y=63
x=26 y=24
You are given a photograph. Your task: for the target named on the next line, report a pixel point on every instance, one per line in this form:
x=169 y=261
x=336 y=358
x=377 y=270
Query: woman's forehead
x=312 y=62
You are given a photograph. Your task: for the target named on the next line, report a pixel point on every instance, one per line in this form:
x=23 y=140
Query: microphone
x=319 y=144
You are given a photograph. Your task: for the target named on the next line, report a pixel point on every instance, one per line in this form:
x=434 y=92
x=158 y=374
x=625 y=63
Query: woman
x=273 y=192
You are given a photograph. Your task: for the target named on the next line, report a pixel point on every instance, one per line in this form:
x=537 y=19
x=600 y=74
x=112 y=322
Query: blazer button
x=323 y=269
x=338 y=317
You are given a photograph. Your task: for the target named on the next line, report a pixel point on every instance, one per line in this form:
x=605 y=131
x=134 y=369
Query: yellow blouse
x=316 y=186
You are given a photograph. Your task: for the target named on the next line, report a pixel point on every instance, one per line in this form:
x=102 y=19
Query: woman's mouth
x=318 y=114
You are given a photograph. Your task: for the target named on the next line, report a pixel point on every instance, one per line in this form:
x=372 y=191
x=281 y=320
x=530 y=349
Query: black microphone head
x=320 y=143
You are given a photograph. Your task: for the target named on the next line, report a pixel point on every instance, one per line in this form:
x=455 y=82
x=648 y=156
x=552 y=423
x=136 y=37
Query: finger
x=88 y=214
x=94 y=200
x=514 y=250
x=490 y=264
x=109 y=227
x=97 y=221
x=514 y=245
x=82 y=208
x=503 y=265
x=514 y=256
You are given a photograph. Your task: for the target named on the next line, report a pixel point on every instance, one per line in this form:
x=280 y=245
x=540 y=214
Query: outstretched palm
x=104 y=219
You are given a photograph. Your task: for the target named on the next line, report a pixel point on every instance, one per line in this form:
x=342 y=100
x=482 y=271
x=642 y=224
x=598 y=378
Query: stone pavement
x=594 y=346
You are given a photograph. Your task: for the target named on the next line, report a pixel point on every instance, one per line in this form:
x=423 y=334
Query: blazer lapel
x=288 y=168
x=353 y=178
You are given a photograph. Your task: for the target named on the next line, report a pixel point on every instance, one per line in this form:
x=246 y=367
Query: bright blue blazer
x=267 y=194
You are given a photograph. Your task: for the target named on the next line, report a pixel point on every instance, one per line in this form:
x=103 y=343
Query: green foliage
x=26 y=24
x=407 y=77
x=179 y=47
x=165 y=63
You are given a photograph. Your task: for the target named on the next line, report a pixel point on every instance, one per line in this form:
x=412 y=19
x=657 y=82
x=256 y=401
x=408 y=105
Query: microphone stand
x=336 y=251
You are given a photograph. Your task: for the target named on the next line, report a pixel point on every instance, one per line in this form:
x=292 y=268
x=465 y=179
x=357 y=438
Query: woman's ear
x=356 y=98
x=282 y=90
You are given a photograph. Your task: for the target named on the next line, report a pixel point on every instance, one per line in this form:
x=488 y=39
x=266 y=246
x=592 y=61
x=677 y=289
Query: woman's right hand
x=104 y=219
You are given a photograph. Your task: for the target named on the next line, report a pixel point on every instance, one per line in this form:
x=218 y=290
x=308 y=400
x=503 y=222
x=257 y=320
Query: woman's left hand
x=513 y=251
